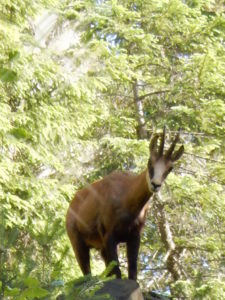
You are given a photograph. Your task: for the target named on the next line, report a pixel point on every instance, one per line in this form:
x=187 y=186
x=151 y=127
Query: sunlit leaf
x=7 y=75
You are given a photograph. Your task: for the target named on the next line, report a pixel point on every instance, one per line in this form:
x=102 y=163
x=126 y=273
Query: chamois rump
x=113 y=210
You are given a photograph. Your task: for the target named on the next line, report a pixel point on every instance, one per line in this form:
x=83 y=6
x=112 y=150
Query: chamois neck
x=144 y=184
x=140 y=192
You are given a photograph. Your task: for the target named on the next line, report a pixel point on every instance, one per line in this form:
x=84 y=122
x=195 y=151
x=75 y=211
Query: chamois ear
x=177 y=154
x=153 y=146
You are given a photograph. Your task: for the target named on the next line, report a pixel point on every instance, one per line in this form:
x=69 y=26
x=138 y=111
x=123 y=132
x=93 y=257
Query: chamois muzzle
x=155 y=187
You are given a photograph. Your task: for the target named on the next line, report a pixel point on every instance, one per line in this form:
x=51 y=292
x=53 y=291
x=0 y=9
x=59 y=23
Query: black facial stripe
x=150 y=169
x=167 y=172
x=170 y=169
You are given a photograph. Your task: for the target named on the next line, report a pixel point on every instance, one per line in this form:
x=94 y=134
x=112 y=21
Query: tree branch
x=172 y=255
x=153 y=93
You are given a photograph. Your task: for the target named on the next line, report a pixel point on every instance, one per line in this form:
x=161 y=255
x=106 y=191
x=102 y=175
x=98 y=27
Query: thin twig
x=186 y=133
x=205 y=158
x=153 y=269
x=204 y=176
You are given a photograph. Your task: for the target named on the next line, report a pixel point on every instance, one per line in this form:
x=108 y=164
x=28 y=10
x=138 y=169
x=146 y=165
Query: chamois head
x=160 y=164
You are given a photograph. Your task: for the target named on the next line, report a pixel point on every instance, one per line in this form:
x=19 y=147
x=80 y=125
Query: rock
x=121 y=289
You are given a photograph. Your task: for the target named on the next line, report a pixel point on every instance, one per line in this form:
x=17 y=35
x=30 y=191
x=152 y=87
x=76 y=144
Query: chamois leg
x=81 y=250
x=133 y=245
x=103 y=254
x=109 y=254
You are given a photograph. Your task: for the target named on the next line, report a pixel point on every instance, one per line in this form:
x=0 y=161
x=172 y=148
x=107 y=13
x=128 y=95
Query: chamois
x=113 y=210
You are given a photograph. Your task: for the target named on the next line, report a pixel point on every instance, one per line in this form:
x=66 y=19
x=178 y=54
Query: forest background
x=83 y=85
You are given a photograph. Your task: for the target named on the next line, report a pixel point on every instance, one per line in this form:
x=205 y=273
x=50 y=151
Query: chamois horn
x=162 y=142
x=173 y=145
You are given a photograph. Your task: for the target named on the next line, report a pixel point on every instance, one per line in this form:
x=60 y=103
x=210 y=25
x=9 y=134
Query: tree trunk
x=141 y=130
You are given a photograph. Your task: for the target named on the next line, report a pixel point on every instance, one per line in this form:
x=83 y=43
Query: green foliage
x=7 y=75
x=214 y=289
x=68 y=115
x=86 y=287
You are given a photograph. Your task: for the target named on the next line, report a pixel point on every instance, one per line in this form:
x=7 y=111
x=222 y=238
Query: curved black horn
x=162 y=142
x=173 y=145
